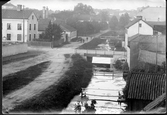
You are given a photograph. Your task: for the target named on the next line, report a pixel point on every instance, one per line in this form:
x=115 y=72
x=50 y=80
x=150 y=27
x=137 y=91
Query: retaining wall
x=9 y=50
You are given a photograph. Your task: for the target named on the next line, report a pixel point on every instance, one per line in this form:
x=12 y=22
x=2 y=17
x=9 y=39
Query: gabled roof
x=132 y=22
x=43 y=24
x=135 y=21
x=14 y=14
x=145 y=86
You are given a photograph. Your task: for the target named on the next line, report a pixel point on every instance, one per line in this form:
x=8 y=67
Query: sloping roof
x=43 y=24
x=66 y=27
x=135 y=21
x=146 y=86
x=14 y=14
x=157 y=23
x=132 y=22
x=138 y=37
x=153 y=13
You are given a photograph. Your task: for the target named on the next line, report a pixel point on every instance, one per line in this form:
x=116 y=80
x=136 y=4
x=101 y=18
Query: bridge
x=101 y=53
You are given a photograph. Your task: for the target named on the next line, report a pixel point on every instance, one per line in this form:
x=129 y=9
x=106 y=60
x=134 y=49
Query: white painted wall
x=14 y=30
x=32 y=22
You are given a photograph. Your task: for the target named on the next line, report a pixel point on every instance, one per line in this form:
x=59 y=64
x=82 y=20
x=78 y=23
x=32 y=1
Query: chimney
x=19 y=7
x=139 y=17
x=44 y=13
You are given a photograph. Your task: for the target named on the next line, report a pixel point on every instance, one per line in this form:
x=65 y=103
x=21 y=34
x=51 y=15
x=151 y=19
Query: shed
x=143 y=88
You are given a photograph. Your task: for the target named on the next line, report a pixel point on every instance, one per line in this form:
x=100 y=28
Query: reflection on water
x=104 y=87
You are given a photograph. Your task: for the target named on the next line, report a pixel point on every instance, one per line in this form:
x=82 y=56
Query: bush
x=118 y=65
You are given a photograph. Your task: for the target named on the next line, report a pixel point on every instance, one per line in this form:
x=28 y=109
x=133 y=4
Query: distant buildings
x=19 y=25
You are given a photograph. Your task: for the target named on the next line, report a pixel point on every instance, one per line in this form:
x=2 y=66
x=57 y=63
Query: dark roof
x=135 y=21
x=138 y=37
x=14 y=14
x=43 y=24
x=146 y=86
x=157 y=23
x=66 y=27
x=132 y=22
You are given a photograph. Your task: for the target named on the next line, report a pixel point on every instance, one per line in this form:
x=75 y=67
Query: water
x=103 y=87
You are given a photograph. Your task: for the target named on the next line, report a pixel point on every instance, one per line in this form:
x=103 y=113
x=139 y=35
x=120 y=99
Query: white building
x=19 y=25
x=137 y=26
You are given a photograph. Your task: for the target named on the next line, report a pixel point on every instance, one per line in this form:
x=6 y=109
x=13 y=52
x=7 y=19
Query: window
x=8 y=36
x=29 y=37
x=18 y=26
x=18 y=37
x=30 y=27
x=8 y=26
x=34 y=36
x=34 y=26
x=32 y=17
x=140 y=24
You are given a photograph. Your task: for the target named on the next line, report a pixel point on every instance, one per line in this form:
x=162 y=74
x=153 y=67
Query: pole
x=156 y=50
x=23 y=24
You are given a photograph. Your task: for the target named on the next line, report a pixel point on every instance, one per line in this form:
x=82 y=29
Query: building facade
x=19 y=25
x=137 y=26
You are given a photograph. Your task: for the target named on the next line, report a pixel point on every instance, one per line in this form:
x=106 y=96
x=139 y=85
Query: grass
x=109 y=33
x=93 y=44
x=19 y=79
x=58 y=96
x=19 y=57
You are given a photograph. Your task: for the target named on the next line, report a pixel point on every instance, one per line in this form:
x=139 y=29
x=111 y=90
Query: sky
x=96 y=4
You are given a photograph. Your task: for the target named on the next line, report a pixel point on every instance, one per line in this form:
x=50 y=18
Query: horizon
x=96 y=4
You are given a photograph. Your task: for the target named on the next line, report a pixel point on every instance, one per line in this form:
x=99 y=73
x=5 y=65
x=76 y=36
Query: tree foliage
x=83 y=9
x=123 y=21
x=53 y=31
x=113 y=23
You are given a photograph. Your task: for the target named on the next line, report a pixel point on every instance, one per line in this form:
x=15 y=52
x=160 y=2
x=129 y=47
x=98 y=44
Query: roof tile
x=146 y=86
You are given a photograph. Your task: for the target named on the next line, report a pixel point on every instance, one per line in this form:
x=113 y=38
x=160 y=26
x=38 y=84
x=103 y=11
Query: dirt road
x=48 y=77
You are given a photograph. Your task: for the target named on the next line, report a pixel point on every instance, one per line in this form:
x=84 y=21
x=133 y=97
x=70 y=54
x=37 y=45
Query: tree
x=113 y=23
x=53 y=30
x=123 y=21
x=83 y=9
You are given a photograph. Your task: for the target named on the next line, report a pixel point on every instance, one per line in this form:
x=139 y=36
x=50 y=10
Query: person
x=77 y=107
x=92 y=106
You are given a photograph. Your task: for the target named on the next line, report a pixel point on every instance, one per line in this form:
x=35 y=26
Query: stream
x=104 y=86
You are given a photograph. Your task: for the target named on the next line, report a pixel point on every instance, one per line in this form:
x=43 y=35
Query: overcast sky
x=99 y=4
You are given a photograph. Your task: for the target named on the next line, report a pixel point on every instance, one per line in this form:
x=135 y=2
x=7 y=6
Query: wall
x=145 y=29
x=32 y=31
x=14 y=30
x=134 y=53
x=14 y=49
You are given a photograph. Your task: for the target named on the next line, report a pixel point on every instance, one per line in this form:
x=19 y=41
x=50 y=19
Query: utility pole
x=23 y=23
